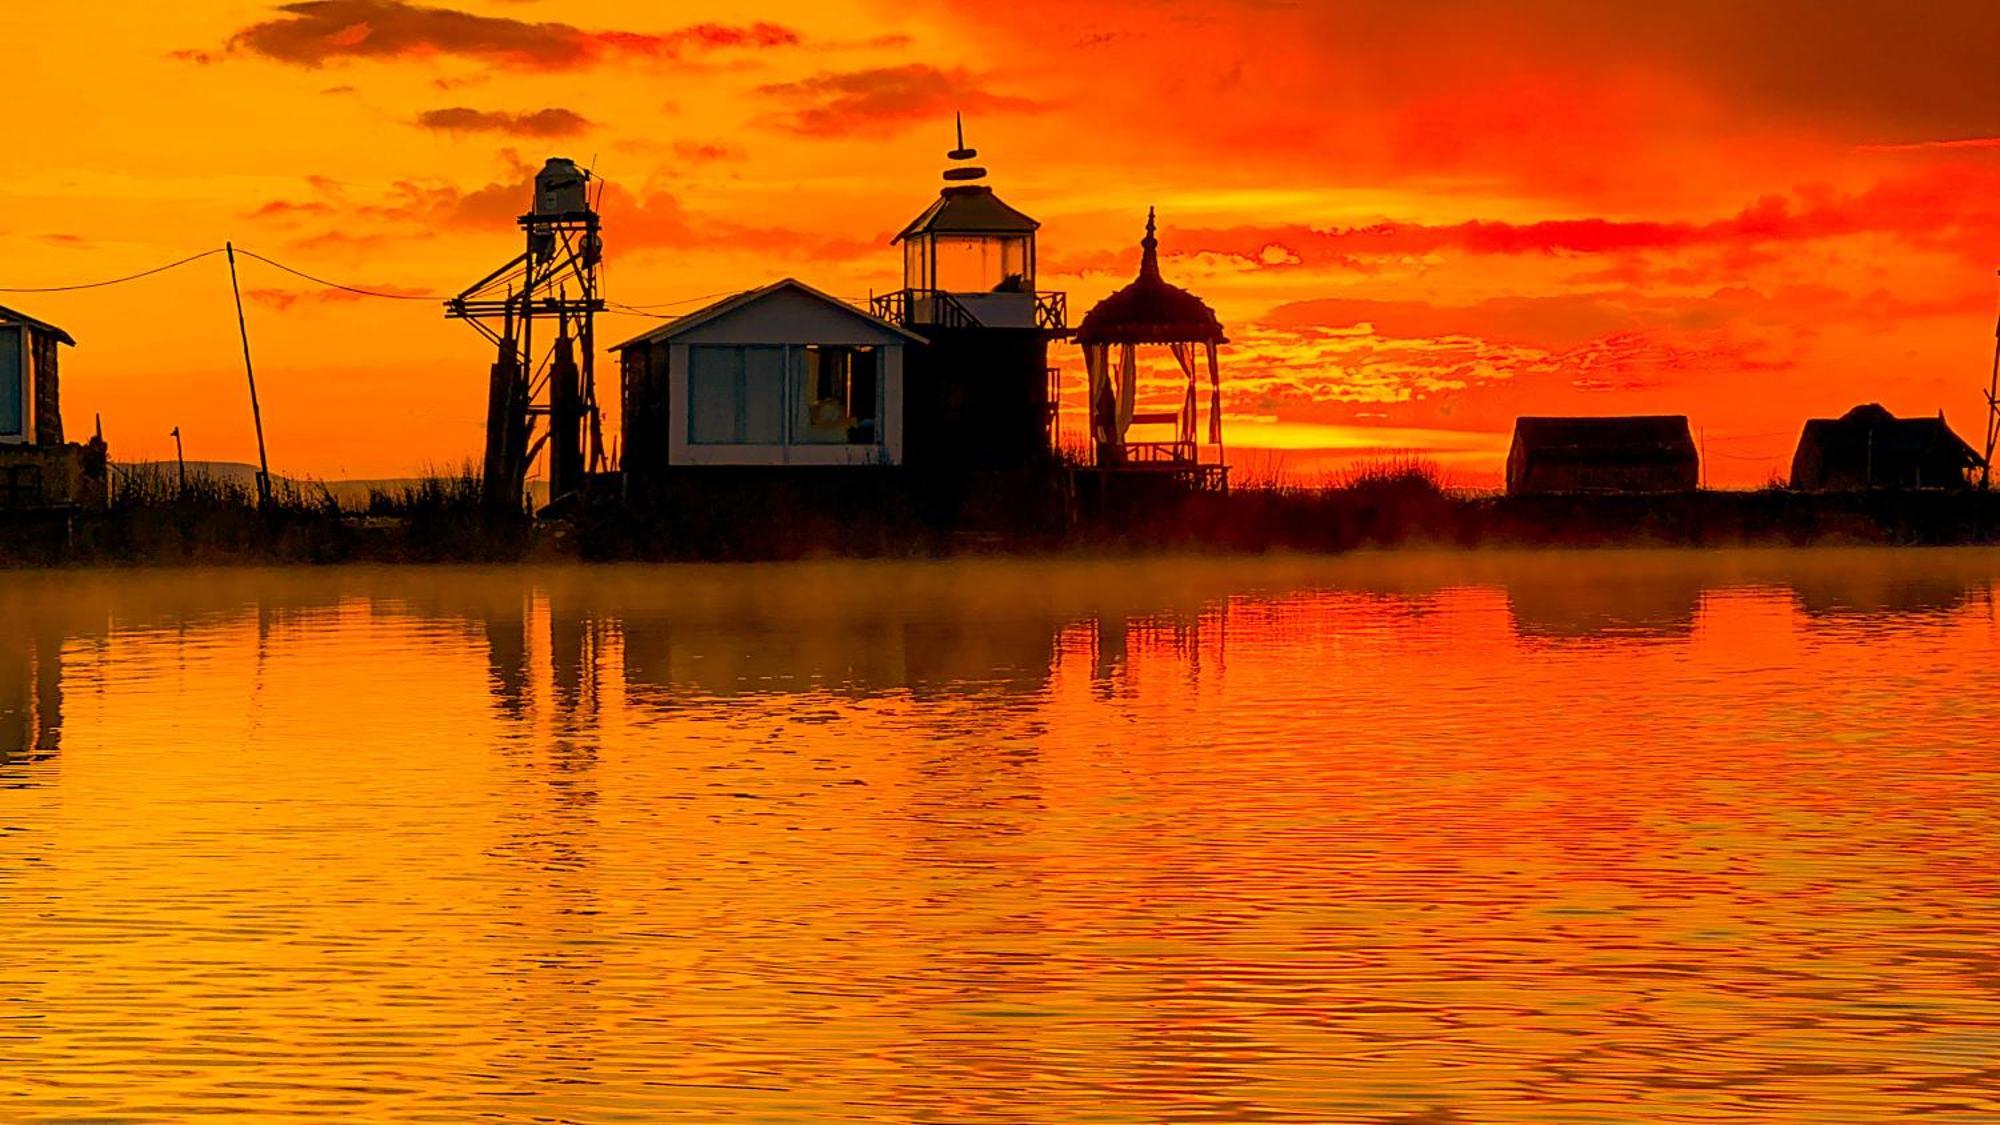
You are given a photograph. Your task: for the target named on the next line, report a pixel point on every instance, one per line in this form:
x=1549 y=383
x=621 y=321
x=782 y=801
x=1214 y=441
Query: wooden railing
x=1052 y=311
x=1160 y=453
x=937 y=307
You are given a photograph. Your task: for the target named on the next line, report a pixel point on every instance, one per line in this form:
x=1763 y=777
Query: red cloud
x=554 y=122
x=1948 y=208
x=862 y=101
x=314 y=32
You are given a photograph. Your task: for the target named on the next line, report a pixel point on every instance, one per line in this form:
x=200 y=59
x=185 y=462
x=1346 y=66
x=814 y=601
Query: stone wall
x=38 y=476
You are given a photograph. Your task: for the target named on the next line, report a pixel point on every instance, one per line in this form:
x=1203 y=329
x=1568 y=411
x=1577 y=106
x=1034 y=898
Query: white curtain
x=1128 y=386
x=1184 y=355
x=1103 y=410
x=1214 y=398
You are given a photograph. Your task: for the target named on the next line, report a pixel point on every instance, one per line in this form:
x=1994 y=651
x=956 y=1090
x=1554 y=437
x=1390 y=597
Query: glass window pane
x=1014 y=263
x=822 y=397
x=13 y=390
x=968 y=264
x=764 y=396
x=715 y=394
x=863 y=397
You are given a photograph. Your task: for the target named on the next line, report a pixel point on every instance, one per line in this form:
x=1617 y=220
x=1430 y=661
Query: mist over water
x=1481 y=838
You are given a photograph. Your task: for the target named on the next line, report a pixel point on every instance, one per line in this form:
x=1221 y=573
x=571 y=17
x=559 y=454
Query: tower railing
x=1052 y=310
x=944 y=309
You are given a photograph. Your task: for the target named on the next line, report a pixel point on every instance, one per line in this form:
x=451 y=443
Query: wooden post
x=256 y=414
x=180 y=460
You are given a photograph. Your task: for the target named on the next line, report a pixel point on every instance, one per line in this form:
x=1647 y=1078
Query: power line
x=115 y=280
x=682 y=301
x=336 y=285
x=619 y=306
x=617 y=309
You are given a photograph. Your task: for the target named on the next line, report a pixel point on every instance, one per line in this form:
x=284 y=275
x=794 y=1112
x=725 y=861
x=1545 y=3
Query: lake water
x=1411 y=839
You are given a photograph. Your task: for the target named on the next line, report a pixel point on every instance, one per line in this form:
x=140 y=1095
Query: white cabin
x=782 y=375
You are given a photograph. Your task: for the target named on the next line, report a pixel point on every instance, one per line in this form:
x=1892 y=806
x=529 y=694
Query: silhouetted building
x=37 y=467
x=1152 y=311
x=784 y=375
x=1646 y=453
x=1868 y=447
x=980 y=393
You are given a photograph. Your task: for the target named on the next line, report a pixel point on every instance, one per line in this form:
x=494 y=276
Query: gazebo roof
x=968 y=209
x=1150 y=310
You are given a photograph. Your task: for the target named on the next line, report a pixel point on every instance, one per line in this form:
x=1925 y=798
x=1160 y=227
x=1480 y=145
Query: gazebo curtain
x=1128 y=386
x=1111 y=406
x=1103 y=405
x=1214 y=397
x=1184 y=355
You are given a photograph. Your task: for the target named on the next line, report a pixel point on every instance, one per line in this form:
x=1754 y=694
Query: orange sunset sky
x=1417 y=220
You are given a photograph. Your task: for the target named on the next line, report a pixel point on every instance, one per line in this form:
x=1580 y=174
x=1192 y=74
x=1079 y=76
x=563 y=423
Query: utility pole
x=180 y=459
x=1992 y=413
x=256 y=414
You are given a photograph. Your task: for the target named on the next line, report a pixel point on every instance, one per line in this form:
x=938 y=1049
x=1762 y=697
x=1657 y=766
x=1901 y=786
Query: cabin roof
x=968 y=209
x=690 y=321
x=8 y=315
x=1870 y=430
x=1658 y=435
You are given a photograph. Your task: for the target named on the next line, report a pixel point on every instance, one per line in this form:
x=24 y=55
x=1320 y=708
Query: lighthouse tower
x=978 y=396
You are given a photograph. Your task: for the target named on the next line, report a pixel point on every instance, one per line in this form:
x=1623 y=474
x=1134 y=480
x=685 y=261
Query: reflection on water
x=1614 y=837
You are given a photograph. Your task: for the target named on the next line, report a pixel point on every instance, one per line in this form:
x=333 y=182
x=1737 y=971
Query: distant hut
x=30 y=393
x=37 y=467
x=1868 y=447
x=1648 y=453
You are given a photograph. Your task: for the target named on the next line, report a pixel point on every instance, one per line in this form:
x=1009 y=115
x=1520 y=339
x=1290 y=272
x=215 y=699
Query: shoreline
x=1394 y=517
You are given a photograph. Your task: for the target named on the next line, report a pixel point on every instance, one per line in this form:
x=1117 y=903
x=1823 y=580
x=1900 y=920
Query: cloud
x=553 y=122
x=706 y=152
x=312 y=33
x=845 y=103
x=633 y=220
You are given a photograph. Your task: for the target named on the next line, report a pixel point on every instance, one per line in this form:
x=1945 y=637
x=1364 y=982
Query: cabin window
x=13 y=382
x=736 y=395
x=839 y=396
x=916 y=265
x=715 y=395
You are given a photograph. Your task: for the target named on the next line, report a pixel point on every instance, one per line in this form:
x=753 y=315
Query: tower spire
x=962 y=171
x=1149 y=259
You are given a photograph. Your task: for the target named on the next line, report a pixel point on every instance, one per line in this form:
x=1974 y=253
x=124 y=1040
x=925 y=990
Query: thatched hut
x=1648 y=453
x=1868 y=447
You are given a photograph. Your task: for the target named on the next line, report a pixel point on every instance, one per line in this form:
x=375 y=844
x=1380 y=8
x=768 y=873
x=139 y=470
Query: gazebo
x=1152 y=311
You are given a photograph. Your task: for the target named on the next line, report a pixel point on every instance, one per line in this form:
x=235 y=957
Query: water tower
x=552 y=283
